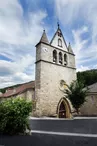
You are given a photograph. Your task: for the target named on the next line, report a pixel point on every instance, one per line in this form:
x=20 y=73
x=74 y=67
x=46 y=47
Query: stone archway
x=63 y=109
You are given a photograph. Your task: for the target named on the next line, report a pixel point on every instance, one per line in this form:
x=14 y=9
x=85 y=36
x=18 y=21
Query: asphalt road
x=85 y=126
x=48 y=140
x=53 y=132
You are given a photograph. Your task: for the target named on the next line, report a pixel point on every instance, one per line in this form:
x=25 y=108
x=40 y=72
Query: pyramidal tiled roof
x=70 y=49
x=44 y=38
x=92 y=88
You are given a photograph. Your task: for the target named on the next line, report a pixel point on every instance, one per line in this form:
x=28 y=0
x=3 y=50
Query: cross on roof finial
x=58 y=25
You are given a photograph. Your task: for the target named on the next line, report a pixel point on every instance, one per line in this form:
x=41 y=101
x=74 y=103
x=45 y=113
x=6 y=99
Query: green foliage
x=3 y=90
x=88 y=77
x=14 y=116
x=76 y=94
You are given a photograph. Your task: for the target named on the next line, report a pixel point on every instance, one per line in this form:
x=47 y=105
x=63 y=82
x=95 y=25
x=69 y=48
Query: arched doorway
x=63 y=109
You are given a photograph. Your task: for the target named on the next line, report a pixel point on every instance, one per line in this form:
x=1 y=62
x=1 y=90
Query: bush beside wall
x=14 y=115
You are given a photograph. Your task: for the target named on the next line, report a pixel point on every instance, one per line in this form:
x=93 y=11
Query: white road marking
x=48 y=118
x=64 y=134
x=85 y=118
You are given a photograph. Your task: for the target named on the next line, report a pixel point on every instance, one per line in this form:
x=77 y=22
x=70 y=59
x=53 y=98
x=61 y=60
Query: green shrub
x=76 y=94
x=14 y=116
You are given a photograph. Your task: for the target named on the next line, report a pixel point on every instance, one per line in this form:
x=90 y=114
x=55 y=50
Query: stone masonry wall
x=48 y=76
x=90 y=106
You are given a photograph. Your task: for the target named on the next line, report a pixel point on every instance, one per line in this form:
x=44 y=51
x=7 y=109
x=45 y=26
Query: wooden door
x=62 y=110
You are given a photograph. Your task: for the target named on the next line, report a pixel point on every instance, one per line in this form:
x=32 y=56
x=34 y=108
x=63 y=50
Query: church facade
x=55 y=65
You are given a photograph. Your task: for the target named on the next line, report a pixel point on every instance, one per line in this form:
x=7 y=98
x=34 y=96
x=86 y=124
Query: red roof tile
x=19 y=89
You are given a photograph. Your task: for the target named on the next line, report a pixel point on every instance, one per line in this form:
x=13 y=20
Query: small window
x=60 y=42
x=59 y=34
x=55 y=56
x=65 y=59
x=60 y=57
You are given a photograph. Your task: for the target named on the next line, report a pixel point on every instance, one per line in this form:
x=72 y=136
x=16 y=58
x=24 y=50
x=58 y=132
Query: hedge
x=14 y=115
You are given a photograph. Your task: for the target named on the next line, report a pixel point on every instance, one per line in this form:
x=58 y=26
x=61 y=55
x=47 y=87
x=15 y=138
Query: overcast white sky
x=21 y=26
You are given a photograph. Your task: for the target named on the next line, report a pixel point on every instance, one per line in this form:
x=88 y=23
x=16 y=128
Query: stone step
x=77 y=125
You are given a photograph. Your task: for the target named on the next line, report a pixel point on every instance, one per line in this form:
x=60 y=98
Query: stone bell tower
x=55 y=64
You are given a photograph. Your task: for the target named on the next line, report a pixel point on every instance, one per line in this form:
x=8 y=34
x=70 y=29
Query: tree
x=88 y=77
x=76 y=94
x=14 y=115
x=3 y=90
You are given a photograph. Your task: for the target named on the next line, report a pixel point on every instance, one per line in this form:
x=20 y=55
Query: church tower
x=55 y=65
